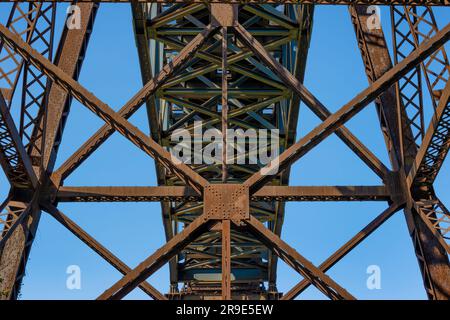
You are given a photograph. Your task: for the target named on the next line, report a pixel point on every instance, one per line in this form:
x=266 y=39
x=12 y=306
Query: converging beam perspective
x=222 y=85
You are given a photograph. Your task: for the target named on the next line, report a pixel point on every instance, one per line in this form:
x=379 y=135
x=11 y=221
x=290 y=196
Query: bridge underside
x=210 y=71
x=193 y=100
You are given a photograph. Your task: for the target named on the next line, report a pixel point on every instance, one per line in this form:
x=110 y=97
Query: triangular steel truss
x=228 y=65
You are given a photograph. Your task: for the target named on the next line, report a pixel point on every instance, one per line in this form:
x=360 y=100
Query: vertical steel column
x=69 y=57
x=433 y=261
x=226 y=259
x=16 y=250
x=224 y=104
x=226 y=225
x=35 y=84
x=22 y=21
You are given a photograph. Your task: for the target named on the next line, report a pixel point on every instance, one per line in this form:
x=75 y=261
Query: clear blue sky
x=134 y=230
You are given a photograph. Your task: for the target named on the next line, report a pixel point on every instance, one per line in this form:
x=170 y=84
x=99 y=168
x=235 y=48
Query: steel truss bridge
x=229 y=64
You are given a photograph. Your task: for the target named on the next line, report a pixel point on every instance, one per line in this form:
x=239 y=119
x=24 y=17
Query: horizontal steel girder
x=180 y=193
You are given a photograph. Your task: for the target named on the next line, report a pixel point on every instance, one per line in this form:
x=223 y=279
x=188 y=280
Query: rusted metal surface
x=125 y=194
x=156 y=260
x=252 y=112
x=325 y=193
x=101 y=250
x=327 y=2
x=22 y=20
x=69 y=59
x=435 y=145
x=116 y=120
x=337 y=119
x=344 y=250
x=289 y=255
x=105 y=112
x=16 y=245
x=231 y=66
x=16 y=249
x=227 y=201
x=429 y=249
x=35 y=84
x=226 y=259
x=14 y=214
x=180 y=193
x=13 y=157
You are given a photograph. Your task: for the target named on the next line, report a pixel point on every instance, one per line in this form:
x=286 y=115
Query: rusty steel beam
x=415 y=25
x=409 y=89
x=148 y=68
x=126 y=194
x=13 y=157
x=436 y=71
x=336 y=120
x=17 y=249
x=226 y=259
x=304 y=16
x=17 y=246
x=13 y=216
x=22 y=20
x=436 y=217
x=215 y=207
x=436 y=142
x=325 y=2
x=105 y=112
x=35 y=83
x=345 y=249
x=100 y=249
x=182 y=193
x=432 y=259
x=139 y=13
x=69 y=59
x=129 y=108
x=377 y=61
x=303 y=266
x=312 y=102
x=224 y=34
x=431 y=255
x=324 y=193
x=426 y=211
x=150 y=265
